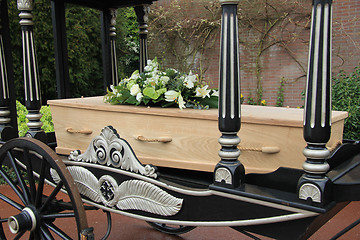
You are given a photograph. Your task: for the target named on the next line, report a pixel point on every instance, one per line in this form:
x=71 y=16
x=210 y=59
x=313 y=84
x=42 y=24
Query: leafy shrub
x=346 y=97
x=48 y=125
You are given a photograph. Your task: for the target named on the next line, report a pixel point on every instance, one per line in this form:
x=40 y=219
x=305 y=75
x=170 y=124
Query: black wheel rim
x=39 y=210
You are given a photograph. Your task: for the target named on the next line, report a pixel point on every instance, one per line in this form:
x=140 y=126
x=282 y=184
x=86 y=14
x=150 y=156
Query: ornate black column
x=314 y=184
x=114 y=70
x=61 y=50
x=8 y=120
x=142 y=13
x=31 y=73
x=229 y=172
x=108 y=34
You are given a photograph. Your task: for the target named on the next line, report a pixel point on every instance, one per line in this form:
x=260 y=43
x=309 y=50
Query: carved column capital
x=223 y=2
x=25 y=5
x=113 y=13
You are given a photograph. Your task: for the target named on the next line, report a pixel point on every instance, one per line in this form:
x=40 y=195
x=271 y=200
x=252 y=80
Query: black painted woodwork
x=8 y=125
x=105 y=18
x=317 y=119
x=61 y=50
x=31 y=72
x=142 y=18
x=229 y=172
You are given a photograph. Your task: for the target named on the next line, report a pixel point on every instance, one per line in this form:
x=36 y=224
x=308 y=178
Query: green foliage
x=84 y=48
x=280 y=97
x=163 y=88
x=22 y=120
x=346 y=97
x=127 y=42
x=10 y=173
x=46 y=119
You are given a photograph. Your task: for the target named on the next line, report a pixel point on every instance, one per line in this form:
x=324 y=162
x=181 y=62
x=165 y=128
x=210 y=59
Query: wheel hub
x=24 y=221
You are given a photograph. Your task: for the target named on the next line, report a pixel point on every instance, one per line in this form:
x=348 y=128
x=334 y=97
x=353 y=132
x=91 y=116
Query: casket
x=271 y=137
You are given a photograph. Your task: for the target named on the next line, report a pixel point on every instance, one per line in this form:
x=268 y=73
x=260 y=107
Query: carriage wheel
x=37 y=204
x=171 y=229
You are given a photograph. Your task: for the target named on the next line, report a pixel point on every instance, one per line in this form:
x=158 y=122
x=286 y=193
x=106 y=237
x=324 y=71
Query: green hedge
x=346 y=97
x=48 y=125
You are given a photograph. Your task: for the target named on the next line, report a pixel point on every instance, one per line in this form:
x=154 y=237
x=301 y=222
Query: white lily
x=190 y=80
x=181 y=102
x=215 y=93
x=135 y=89
x=202 y=92
x=171 y=95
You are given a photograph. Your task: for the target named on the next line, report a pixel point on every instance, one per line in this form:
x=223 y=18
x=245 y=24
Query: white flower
x=202 y=92
x=190 y=80
x=171 y=95
x=181 y=102
x=139 y=96
x=135 y=89
x=135 y=75
x=151 y=66
x=215 y=93
x=115 y=91
x=148 y=68
x=153 y=80
x=164 y=79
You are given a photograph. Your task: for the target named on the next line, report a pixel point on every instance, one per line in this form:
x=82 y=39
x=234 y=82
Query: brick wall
x=277 y=61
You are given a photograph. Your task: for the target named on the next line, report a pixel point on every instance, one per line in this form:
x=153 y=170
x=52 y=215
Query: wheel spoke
x=19 y=235
x=11 y=202
x=58 y=215
x=57 y=231
x=23 y=187
x=2 y=234
x=12 y=185
x=41 y=184
x=31 y=178
x=45 y=233
x=52 y=196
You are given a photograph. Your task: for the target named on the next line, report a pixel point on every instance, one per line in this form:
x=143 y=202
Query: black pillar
x=31 y=73
x=315 y=184
x=61 y=51
x=108 y=36
x=8 y=116
x=142 y=13
x=229 y=172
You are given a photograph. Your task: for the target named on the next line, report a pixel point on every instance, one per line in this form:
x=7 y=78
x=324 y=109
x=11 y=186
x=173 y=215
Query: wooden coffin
x=270 y=137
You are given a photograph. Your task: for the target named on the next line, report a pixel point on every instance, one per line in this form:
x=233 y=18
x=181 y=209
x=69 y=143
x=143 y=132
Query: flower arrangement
x=167 y=88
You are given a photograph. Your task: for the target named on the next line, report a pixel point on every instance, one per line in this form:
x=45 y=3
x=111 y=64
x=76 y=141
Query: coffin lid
x=278 y=116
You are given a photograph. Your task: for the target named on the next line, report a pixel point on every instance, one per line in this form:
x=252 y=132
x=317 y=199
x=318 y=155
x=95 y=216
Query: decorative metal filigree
x=223 y=174
x=309 y=190
x=111 y=150
x=129 y=195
